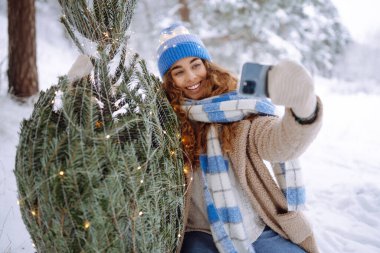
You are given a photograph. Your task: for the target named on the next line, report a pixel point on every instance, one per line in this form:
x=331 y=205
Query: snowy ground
x=342 y=166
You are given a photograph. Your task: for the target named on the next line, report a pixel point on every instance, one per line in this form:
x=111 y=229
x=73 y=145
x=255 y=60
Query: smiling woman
x=189 y=75
x=239 y=209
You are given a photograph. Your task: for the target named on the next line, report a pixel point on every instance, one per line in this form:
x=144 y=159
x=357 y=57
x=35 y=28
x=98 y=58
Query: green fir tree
x=98 y=165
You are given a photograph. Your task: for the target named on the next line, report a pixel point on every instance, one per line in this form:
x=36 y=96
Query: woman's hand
x=81 y=67
x=290 y=85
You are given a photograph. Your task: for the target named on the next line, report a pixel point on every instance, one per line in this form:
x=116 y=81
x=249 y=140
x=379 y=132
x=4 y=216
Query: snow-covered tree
x=265 y=31
x=255 y=30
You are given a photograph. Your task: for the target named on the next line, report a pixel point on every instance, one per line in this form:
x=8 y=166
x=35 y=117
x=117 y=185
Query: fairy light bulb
x=186 y=169
x=86 y=224
x=185 y=139
x=61 y=173
x=98 y=124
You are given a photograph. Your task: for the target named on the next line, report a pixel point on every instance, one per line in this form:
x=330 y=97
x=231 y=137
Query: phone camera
x=249 y=87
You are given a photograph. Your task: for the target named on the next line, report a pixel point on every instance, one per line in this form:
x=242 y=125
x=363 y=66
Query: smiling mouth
x=195 y=86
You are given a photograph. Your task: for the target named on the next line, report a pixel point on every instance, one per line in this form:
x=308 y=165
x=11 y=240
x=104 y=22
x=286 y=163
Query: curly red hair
x=218 y=81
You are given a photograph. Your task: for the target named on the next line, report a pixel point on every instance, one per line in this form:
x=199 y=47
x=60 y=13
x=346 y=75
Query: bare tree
x=22 y=68
x=184 y=11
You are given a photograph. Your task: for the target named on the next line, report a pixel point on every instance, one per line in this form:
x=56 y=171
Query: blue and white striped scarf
x=224 y=215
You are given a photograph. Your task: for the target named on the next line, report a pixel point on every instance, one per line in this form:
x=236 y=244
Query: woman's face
x=189 y=75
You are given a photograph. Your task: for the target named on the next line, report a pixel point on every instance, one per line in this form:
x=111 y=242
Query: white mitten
x=81 y=67
x=290 y=85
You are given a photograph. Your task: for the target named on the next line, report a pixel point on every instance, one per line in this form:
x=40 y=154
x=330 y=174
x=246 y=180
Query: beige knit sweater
x=272 y=139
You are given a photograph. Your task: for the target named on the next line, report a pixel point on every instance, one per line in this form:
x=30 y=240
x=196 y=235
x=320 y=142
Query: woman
x=233 y=204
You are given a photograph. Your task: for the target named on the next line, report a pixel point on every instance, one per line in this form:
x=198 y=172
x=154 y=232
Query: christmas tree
x=98 y=165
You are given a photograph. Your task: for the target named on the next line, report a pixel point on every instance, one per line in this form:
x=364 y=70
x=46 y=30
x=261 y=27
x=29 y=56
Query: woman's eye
x=178 y=73
x=195 y=66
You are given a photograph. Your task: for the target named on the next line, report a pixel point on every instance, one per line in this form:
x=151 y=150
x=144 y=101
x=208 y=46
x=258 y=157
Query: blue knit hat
x=177 y=43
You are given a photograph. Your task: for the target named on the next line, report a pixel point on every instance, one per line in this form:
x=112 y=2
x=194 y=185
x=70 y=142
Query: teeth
x=193 y=87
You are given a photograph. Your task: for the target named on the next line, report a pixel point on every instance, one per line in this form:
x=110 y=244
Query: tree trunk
x=22 y=68
x=184 y=11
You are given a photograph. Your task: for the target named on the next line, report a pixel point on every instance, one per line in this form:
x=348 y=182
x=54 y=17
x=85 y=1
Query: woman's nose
x=191 y=76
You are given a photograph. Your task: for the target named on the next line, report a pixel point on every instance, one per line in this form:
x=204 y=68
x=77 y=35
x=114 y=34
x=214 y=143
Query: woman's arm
x=281 y=139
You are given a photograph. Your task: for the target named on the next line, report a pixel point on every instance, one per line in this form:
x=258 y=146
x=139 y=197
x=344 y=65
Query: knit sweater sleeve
x=283 y=139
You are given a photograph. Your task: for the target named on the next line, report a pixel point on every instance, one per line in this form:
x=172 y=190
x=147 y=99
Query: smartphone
x=253 y=81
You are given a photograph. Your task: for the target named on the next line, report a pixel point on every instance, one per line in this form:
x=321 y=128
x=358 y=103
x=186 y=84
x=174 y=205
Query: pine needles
x=98 y=165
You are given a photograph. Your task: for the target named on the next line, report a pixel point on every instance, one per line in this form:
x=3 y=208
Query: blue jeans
x=268 y=242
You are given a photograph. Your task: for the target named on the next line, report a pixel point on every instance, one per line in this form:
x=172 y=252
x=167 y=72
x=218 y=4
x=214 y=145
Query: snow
x=58 y=104
x=342 y=166
x=361 y=17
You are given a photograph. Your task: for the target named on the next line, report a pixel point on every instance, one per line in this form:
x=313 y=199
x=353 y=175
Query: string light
x=34 y=212
x=139 y=168
x=53 y=101
x=179 y=235
x=86 y=224
x=172 y=152
x=108 y=136
x=98 y=124
x=61 y=173
x=164 y=132
x=141 y=213
x=185 y=139
x=186 y=169
x=142 y=181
